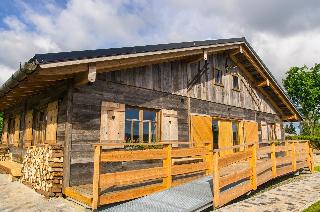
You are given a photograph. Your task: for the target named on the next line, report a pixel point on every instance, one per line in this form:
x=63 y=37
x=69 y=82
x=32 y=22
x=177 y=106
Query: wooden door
x=112 y=123
x=201 y=130
x=250 y=129
x=225 y=136
x=28 y=129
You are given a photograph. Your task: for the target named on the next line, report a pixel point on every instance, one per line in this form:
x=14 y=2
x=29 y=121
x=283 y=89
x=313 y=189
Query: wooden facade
x=186 y=96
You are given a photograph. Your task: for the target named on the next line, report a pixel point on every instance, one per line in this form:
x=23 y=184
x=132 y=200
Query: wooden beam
x=86 y=77
x=263 y=83
x=67 y=141
x=291 y=117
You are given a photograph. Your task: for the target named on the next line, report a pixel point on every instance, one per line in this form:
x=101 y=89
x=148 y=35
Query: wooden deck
x=231 y=175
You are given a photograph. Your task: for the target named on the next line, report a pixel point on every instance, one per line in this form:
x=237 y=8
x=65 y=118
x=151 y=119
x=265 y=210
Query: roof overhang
x=36 y=76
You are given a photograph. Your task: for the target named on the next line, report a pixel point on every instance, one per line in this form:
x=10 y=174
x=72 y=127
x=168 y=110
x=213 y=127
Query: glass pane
x=129 y=125
x=127 y=131
x=154 y=132
x=132 y=113
x=215 y=132
x=235 y=82
x=146 y=132
x=136 y=128
x=149 y=115
x=235 y=133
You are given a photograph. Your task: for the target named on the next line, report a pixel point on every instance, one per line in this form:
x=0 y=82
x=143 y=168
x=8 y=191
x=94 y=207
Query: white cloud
x=283 y=33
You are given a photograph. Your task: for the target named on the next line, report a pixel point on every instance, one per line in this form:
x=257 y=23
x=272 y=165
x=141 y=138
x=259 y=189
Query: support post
x=273 y=159
x=96 y=177
x=310 y=157
x=293 y=157
x=167 y=163
x=216 y=179
x=209 y=159
x=253 y=166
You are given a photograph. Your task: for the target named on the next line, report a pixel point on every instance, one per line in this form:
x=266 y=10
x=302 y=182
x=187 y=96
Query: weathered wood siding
x=161 y=86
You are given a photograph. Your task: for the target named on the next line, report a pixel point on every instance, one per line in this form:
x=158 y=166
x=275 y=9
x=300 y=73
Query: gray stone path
x=293 y=196
x=15 y=196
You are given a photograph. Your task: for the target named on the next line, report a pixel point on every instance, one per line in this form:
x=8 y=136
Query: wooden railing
x=234 y=174
x=140 y=182
x=264 y=163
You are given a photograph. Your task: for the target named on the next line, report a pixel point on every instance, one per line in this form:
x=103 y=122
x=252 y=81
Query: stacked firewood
x=4 y=153
x=43 y=169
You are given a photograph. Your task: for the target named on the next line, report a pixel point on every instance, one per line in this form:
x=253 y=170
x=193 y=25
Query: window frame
x=238 y=87
x=141 y=122
x=217 y=70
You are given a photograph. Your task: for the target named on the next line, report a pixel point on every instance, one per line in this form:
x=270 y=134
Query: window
x=235 y=83
x=235 y=135
x=140 y=125
x=218 y=77
x=215 y=132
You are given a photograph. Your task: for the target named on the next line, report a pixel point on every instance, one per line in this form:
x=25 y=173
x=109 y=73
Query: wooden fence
x=234 y=174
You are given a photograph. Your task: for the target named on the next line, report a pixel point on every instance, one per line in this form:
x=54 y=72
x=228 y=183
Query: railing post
x=273 y=159
x=310 y=157
x=293 y=157
x=96 y=177
x=253 y=166
x=167 y=163
x=209 y=159
x=216 y=179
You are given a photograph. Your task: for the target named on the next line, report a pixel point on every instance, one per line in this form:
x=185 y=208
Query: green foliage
x=315 y=140
x=303 y=87
x=290 y=129
x=317 y=168
x=313 y=208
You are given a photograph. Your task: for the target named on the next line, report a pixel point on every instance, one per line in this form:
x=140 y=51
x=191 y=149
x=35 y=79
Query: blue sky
x=284 y=33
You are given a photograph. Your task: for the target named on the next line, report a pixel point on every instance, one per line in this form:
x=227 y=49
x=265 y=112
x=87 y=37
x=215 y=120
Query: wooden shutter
x=112 y=123
x=278 y=131
x=201 y=130
x=225 y=136
x=169 y=125
x=264 y=131
x=250 y=131
x=16 y=136
x=4 y=138
x=28 y=129
x=52 y=117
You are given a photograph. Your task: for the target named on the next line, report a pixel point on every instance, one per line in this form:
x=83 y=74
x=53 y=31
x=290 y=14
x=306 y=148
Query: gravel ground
x=18 y=197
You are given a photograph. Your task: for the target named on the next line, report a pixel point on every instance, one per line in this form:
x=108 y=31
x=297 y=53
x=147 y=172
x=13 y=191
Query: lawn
x=313 y=208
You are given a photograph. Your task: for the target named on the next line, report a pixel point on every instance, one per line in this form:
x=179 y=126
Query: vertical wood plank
x=216 y=179
x=209 y=159
x=4 y=139
x=273 y=159
x=68 y=138
x=293 y=157
x=150 y=132
x=310 y=157
x=253 y=165
x=96 y=177
x=141 y=126
x=167 y=163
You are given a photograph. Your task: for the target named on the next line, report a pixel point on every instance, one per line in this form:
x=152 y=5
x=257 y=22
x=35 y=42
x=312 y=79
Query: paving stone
x=293 y=196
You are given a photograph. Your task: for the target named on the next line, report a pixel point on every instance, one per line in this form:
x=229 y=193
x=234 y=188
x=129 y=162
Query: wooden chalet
x=215 y=93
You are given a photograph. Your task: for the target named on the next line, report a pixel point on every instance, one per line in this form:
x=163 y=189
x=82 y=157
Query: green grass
x=314 y=207
x=317 y=168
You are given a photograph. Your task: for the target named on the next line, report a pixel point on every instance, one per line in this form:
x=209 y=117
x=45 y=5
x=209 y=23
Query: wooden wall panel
x=225 y=136
x=52 y=117
x=264 y=131
x=278 y=131
x=201 y=130
x=16 y=131
x=28 y=129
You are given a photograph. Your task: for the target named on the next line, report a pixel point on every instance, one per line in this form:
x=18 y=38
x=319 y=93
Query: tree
x=290 y=129
x=303 y=87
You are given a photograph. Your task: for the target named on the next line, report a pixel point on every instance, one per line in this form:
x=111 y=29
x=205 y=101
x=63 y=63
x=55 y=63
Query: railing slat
x=129 y=194
x=233 y=158
x=284 y=160
x=234 y=193
x=284 y=170
x=264 y=166
x=131 y=177
x=188 y=168
x=264 y=177
x=123 y=156
x=234 y=177
x=188 y=152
